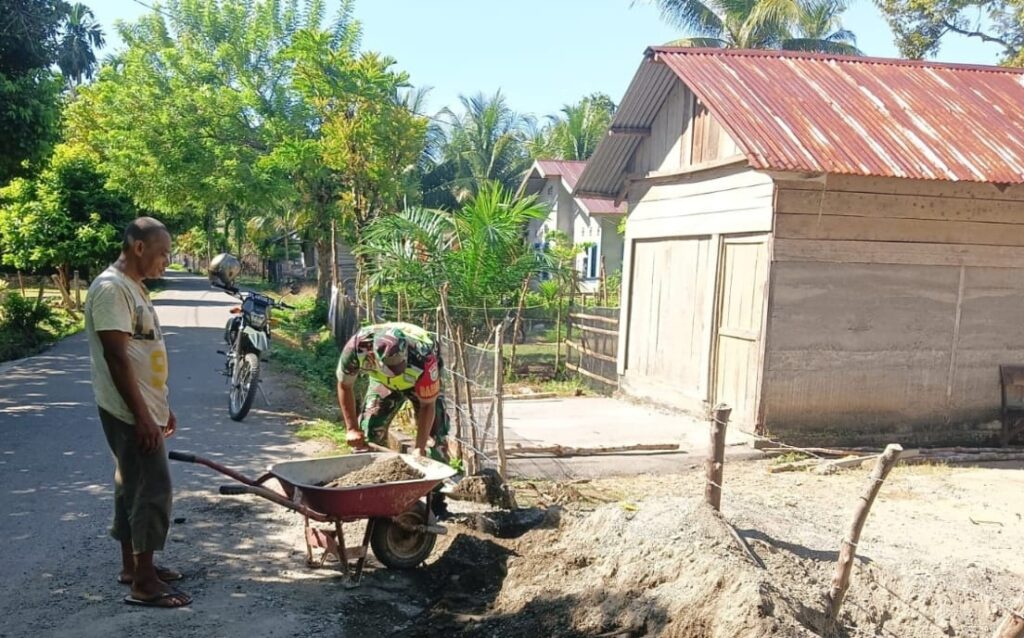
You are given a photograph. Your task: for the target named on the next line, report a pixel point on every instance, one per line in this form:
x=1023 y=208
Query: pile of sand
x=671 y=567
x=382 y=470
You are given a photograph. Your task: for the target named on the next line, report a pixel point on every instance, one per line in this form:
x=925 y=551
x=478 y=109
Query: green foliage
x=29 y=113
x=576 y=132
x=35 y=36
x=920 y=25
x=63 y=219
x=477 y=250
x=795 y=25
x=23 y=317
x=486 y=142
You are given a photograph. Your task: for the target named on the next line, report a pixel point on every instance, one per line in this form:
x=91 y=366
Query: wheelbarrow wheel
x=399 y=548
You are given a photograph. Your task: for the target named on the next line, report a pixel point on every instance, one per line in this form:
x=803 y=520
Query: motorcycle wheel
x=243 y=386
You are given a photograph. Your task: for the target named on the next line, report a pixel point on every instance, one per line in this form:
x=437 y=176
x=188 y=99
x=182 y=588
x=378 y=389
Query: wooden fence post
x=1013 y=625
x=848 y=550
x=716 y=456
x=78 y=291
x=21 y=284
x=460 y=347
x=499 y=383
x=518 y=322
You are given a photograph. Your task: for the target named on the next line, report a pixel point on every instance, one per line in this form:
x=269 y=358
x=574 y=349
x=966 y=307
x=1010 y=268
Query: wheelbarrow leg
x=358 y=568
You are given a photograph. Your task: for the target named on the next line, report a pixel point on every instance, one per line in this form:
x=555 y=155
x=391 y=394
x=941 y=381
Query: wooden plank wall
x=893 y=303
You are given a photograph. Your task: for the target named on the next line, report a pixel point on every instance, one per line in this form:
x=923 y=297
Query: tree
x=29 y=113
x=32 y=36
x=801 y=25
x=575 y=134
x=64 y=219
x=81 y=36
x=920 y=25
x=486 y=142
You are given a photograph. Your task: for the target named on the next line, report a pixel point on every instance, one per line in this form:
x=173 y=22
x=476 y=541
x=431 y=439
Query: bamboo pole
x=1013 y=625
x=848 y=549
x=499 y=381
x=714 y=466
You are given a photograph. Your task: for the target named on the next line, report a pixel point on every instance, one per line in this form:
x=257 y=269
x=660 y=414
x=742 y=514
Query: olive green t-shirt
x=116 y=302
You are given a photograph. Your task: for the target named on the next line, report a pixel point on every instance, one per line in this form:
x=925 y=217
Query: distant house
x=585 y=220
x=832 y=246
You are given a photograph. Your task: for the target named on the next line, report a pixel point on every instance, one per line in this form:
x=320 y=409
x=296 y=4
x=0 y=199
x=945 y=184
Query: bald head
x=144 y=229
x=146 y=250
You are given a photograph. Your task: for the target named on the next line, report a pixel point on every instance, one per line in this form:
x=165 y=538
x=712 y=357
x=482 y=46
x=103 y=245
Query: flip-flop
x=164 y=600
x=163 y=573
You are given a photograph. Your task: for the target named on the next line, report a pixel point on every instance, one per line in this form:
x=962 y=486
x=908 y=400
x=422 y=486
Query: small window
x=590 y=262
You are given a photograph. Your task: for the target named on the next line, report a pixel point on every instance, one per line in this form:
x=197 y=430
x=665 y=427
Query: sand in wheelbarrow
x=384 y=470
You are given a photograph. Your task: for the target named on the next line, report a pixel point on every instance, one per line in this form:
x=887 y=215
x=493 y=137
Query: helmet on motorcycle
x=224 y=269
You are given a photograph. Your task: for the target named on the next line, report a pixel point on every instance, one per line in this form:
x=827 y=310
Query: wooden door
x=743 y=276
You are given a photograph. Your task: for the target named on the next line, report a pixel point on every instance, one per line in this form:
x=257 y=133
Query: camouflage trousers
x=380 y=406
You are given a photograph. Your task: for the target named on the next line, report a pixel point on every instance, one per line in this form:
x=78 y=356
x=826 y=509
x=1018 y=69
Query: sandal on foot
x=168 y=600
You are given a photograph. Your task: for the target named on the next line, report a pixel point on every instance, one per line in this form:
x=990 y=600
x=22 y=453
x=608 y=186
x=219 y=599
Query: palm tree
x=576 y=135
x=818 y=28
x=800 y=25
x=487 y=142
x=82 y=35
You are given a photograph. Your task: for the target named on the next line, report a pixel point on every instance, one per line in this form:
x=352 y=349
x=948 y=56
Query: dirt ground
x=642 y=557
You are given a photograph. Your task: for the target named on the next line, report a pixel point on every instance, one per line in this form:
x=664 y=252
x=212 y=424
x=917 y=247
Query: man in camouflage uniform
x=402 y=362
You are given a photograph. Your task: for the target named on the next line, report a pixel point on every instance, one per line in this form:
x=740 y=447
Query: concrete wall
x=892 y=304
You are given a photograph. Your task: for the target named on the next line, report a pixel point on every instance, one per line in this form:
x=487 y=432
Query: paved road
x=243 y=556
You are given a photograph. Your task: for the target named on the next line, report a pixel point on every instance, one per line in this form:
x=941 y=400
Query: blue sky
x=540 y=53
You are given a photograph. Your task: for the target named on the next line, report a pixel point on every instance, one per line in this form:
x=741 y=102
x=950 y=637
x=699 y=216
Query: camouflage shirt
x=422 y=375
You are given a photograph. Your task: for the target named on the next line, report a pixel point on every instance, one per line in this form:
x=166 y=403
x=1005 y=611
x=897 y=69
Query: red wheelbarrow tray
x=357 y=501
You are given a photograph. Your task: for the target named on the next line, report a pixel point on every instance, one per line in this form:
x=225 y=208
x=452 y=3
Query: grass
x=324 y=430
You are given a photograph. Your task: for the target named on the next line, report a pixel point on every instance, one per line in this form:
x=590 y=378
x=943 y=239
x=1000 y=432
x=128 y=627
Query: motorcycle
x=247 y=335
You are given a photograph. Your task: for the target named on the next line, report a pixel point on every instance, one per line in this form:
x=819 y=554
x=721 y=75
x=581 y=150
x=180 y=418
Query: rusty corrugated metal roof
x=569 y=171
x=806 y=112
x=862 y=116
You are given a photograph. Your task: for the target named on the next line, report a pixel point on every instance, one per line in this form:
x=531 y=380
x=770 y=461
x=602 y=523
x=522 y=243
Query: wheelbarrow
x=399 y=527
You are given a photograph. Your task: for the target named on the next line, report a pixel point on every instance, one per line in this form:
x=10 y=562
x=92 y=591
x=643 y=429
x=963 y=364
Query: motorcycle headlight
x=258 y=321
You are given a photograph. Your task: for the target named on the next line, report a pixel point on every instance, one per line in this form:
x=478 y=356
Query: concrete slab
x=589 y=422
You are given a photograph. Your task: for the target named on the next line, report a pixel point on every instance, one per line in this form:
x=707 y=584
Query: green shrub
x=23 y=318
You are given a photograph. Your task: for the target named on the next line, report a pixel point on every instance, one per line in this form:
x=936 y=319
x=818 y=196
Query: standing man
x=129 y=378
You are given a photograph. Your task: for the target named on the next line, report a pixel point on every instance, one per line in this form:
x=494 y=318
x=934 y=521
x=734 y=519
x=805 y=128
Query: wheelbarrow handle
x=227 y=471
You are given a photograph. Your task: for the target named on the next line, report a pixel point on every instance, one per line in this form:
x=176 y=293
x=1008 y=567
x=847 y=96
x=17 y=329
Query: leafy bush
x=24 y=318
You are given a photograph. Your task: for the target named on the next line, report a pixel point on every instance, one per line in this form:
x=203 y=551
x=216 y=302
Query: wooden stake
x=78 y=291
x=1013 y=625
x=459 y=428
x=21 y=284
x=499 y=382
x=469 y=398
x=519 y=317
x=716 y=456
x=848 y=549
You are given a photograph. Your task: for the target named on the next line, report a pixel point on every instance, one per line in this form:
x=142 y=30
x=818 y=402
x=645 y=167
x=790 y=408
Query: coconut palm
x=82 y=35
x=576 y=134
x=818 y=28
x=485 y=143
x=802 y=25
